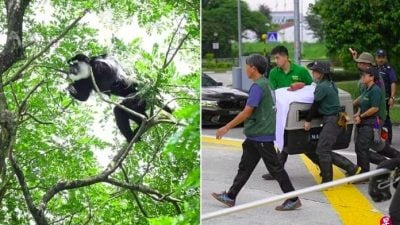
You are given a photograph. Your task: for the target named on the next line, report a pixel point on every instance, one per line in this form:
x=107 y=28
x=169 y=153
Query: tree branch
x=36 y=119
x=158 y=148
x=22 y=106
x=13 y=48
x=170 y=43
x=137 y=200
x=143 y=189
x=17 y=74
x=37 y=214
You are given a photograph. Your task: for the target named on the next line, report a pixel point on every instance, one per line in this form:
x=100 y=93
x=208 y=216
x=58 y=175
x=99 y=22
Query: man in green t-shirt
x=286 y=73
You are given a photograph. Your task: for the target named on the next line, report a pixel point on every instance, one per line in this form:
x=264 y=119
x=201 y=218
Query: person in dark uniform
x=367 y=117
x=379 y=188
x=326 y=103
x=389 y=78
x=259 y=119
x=285 y=74
x=379 y=151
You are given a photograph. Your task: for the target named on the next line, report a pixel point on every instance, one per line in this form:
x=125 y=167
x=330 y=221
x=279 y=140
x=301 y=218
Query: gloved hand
x=296 y=86
x=390 y=164
x=377 y=193
x=375 y=189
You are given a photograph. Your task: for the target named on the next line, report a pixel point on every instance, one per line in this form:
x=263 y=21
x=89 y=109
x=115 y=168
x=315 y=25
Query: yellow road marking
x=352 y=207
x=350 y=204
x=229 y=142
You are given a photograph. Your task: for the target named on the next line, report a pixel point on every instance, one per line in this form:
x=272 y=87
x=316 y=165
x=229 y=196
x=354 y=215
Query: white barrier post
x=294 y=194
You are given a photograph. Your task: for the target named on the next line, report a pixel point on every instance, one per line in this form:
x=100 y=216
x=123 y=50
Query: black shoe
x=224 y=198
x=355 y=171
x=289 y=205
x=268 y=176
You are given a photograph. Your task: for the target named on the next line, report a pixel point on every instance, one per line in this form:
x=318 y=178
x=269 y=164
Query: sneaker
x=224 y=198
x=268 y=176
x=289 y=205
x=357 y=170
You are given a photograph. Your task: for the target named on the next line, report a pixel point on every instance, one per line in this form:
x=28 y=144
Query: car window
x=207 y=81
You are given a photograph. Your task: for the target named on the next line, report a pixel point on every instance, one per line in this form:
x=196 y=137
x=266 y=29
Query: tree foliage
x=220 y=24
x=362 y=25
x=49 y=144
x=314 y=22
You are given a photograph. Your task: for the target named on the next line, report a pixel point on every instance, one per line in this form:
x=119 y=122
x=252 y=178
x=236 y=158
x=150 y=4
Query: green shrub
x=209 y=57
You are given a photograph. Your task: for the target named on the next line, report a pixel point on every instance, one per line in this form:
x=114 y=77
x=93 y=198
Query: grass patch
x=352 y=88
x=310 y=50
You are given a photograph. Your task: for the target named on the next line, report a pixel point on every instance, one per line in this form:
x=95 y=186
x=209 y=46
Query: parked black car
x=219 y=104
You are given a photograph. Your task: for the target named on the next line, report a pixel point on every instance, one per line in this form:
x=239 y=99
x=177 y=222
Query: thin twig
x=172 y=40
x=25 y=100
x=135 y=196
x=18 y=74
x=36 y=119
x=176 y=50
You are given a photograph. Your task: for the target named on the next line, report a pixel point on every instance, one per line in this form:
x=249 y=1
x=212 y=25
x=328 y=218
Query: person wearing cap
x=382 y=149
x=288 y=74
x=389 y=79
x=326 y=103
x=259 y=118
x=369 y=103
x=364 y=61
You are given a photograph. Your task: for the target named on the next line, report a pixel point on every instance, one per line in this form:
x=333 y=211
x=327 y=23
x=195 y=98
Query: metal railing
x=293 y=194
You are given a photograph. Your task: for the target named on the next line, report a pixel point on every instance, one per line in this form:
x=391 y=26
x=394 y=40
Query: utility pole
x=296 y=32
x=239 y=33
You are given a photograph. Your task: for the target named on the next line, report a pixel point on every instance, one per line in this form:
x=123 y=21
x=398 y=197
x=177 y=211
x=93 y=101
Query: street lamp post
x=239 y=33
x=296 y=32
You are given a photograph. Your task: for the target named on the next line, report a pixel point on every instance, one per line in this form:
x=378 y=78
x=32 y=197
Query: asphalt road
x=219 y=166
x=348 y=204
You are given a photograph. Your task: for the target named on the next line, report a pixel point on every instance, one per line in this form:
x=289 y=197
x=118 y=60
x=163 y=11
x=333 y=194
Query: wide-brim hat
x=366 y=57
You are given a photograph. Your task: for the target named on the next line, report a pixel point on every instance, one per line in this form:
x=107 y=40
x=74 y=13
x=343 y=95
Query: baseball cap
x=380 y=52
x=366 y=57
x=372 y=71
x=320 y=66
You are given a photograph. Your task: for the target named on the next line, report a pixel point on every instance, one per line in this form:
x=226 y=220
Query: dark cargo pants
x=327 y=138
x=252 y=153
x=364 y=141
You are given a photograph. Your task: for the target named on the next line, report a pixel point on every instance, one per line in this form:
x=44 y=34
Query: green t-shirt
x=381 y=85
x=370 y=97
x=327 y=97
x=278 y=78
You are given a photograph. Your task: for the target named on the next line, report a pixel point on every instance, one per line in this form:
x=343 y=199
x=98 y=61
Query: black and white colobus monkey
x=111 y=80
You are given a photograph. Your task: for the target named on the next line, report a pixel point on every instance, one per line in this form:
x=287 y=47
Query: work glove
x=379 y=186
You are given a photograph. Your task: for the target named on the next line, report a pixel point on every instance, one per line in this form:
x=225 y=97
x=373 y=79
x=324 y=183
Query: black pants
x=327 y=138
x=252 y=153
x=364 y=141
x=394 y=209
